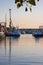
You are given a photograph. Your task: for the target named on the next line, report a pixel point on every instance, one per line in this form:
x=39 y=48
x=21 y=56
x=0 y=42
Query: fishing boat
x=14 y=32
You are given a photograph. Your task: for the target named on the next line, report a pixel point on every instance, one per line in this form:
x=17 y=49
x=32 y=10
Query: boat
x=13 y=33
x=37 y=34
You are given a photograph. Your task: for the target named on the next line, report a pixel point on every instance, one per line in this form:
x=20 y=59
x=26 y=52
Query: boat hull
x=15 y=35
x=38 y=35
x=12 y=34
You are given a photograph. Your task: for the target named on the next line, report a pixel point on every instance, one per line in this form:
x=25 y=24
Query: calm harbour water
x=25 y=50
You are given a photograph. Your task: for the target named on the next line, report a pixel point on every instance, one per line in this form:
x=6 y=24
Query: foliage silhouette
x=31 y=2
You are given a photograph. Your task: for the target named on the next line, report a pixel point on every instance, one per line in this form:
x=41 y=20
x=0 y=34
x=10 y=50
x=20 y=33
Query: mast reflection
x=9 y=50
x=5 y=45
x=9 y=54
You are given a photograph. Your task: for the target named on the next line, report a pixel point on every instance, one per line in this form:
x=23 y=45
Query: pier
x=29 y=30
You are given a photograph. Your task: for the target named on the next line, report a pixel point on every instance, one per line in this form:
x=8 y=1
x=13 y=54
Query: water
x=25 y=50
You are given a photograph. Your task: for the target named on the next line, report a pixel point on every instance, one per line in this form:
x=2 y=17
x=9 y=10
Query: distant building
x=40 y=27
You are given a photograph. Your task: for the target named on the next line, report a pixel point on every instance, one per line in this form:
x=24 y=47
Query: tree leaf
x=16 y=1
x=38 y=0
x=26 y=9
x=30 y=9
x=32 y=2
x=19 y=4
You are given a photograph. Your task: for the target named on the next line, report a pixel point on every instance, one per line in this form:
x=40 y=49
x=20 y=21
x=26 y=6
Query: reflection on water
x=37 y=39
x=25 y=50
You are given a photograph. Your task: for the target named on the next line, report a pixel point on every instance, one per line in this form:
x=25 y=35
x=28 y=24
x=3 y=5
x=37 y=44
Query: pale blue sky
x=20 y=17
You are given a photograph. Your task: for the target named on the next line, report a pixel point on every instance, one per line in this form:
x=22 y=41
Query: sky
x=21 y=18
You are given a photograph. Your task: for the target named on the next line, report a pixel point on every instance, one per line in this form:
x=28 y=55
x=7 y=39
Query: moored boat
x=37 y=34
x=13 y=33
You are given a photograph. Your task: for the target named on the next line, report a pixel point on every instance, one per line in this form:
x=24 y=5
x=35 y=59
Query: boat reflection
x=37 y=39
x=9 y=50
x=9 y=47
x=5 y=45
x=5 y=48
x=22 y=50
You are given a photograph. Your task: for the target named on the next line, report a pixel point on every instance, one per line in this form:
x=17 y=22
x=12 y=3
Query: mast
x=5 y=23
x=10 y=18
